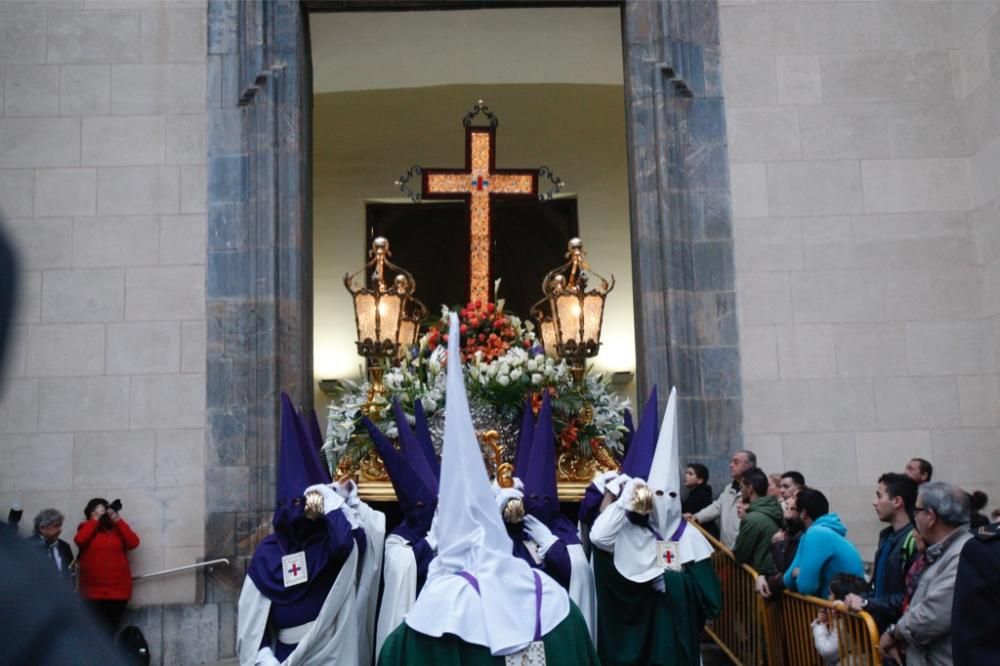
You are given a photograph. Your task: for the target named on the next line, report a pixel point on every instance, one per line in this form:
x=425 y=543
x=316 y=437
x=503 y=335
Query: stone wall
x=864 y=195
x=978 y=63
x=102 y=187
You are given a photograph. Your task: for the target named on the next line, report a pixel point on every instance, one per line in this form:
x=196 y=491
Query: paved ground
x=710 y=654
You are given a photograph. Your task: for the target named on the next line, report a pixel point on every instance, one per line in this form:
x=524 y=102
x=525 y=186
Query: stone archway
x=259 y=264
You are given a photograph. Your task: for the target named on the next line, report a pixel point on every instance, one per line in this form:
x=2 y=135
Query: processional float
x=505 y=359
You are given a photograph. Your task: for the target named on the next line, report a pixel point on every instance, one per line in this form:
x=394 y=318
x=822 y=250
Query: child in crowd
x=824 y=627
x=699 y=494
x=774 y=486
x=741 y=507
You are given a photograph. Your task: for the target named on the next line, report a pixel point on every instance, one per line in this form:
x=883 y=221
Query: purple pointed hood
x=416 y=499
x=629 y=430
x=639 y=457
x=426 y=443
x=312 y=421
x=541 y=491
x=412 y=448
x=524 y=438
x=298 y=467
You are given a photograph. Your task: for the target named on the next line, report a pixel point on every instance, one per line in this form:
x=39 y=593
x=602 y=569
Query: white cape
x=373 y=523
x=581 y=587
x=634 y=547
x=333 y=638
x=400 y=588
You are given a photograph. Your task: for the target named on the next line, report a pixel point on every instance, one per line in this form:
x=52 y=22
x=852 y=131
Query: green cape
x=568 y=644
x=638 y=625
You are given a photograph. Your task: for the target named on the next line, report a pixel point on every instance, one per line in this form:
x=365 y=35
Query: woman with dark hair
x=978 y=500
x=104 y=538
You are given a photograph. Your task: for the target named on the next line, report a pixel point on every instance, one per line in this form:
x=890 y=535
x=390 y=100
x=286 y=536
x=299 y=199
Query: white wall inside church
x=102 y=188
x=364 y=139
x=863 y=149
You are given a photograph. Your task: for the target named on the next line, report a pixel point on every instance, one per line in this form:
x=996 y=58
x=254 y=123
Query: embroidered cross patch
x=293 y=567
x=668 y=556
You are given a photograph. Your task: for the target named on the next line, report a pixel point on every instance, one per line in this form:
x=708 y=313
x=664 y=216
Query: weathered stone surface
x=115 y=241
x=92 y=38
x=83 y=404
x=917 y=185
x=137 y=348
x=114 y=459
x=122 y=141
x=190 y=635
x=61 y=192
x=17 y=189
x=42 y=242
x=66 y=350
x=39 y=142
x=916 y=402
x=84 y=90
x=83 y=295
x=814 y=188
x=168 y=401
x=143 y=190
x=147 y=89
x=22 y=38
x=31 y=90
x=165 y=293
x=180 y=457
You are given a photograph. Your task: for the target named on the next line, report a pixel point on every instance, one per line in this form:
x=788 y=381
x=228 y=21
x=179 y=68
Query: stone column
x=682 y=246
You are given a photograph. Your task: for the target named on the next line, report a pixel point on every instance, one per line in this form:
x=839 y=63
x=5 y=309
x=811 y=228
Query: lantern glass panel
x=407 y=334
x=364 y=306
x=593 y=310
x=568 y=313
x=549 y=337
x=388 y=310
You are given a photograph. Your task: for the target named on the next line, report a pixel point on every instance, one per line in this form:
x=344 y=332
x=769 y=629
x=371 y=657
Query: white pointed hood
x=635 y=549
x=472 y=539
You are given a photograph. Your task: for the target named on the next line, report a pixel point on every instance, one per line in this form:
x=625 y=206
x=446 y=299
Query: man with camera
x=104 y=540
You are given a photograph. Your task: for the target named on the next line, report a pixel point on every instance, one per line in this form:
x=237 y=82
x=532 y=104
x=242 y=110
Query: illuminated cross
x=294 y=570
x=480 y=183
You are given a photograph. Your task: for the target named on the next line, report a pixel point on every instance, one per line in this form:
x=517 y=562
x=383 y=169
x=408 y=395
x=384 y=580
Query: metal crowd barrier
x=210 y=565
x=739 y=630
x=793 y=613
x=753 y=631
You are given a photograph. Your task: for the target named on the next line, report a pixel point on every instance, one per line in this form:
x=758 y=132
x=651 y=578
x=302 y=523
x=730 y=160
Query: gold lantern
x=570 y=316
x=386 y=314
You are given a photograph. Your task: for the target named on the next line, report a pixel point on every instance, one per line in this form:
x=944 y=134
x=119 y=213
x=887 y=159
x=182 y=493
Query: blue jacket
x=823 y=553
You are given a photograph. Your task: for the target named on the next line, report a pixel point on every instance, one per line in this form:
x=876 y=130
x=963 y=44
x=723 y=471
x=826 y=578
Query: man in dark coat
x=975 y=623
x=48 y=527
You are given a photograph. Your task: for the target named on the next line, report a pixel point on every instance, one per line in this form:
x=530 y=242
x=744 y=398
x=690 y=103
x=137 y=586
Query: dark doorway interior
x=431 y=240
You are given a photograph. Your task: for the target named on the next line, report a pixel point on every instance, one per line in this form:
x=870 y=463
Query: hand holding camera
x=113 y=511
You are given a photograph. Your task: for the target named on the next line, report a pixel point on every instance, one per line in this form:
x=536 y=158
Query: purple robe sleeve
x=557 y=563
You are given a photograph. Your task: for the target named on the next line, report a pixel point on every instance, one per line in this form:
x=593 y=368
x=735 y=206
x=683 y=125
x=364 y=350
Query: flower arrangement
x=504 y=364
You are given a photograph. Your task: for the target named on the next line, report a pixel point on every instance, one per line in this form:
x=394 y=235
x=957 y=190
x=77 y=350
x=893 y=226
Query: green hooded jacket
x=753 y=543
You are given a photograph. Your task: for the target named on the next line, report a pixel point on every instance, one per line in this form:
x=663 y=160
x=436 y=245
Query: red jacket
x=104 y=570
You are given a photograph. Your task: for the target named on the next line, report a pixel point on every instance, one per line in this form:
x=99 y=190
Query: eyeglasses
x=918 y=509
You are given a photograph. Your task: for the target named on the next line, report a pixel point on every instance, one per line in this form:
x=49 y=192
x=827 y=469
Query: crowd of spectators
x=934 y=580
